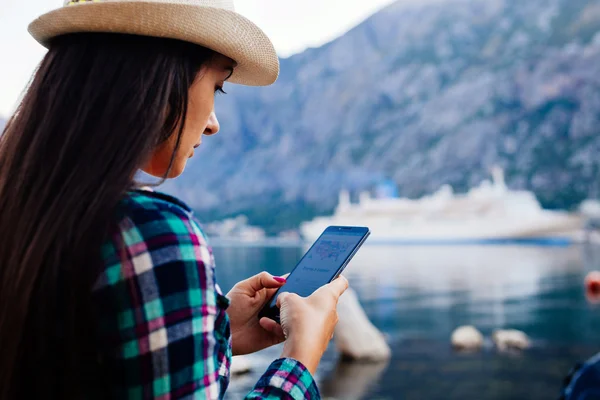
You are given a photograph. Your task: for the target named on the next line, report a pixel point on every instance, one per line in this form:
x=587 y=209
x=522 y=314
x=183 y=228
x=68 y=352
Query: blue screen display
x=320 y=264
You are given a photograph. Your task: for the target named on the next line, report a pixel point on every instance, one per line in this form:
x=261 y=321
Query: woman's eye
x=219 y=90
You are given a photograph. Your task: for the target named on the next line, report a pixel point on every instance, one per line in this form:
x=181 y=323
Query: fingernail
x=279 y=279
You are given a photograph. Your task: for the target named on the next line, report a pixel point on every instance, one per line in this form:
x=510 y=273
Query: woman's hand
x=247 y=298
x=308 y=322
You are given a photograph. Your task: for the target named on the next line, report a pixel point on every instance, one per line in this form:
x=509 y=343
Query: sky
x=292 y=25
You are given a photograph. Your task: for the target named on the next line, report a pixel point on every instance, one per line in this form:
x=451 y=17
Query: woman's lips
x=195 y=147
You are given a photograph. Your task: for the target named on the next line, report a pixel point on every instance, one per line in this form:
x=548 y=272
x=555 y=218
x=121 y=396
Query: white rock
x=355 y=336
x=240 y=365
x=467 y=338
x=510 y=339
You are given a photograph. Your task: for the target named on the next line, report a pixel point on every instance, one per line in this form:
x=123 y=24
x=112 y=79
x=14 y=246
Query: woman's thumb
x=281 y=298
x=338 y=286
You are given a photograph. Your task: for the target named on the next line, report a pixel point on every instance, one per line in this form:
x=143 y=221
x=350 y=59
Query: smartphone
x=322 y=263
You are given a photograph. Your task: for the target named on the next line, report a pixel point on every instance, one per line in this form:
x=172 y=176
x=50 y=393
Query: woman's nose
x=213 y=124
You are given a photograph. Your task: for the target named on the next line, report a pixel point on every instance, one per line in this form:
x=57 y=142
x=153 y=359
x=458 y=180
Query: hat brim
x=223 y=31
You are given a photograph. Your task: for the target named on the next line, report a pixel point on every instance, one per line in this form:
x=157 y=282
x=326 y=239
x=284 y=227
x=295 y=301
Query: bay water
x=418 y=295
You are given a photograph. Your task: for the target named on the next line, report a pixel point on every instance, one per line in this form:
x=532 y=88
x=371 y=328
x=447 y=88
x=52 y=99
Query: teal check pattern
x=162 y=323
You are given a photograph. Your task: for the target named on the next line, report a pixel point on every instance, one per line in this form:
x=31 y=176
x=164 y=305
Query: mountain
x=424 y=95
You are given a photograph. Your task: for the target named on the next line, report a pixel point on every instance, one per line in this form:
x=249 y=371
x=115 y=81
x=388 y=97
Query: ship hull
x=549 y=229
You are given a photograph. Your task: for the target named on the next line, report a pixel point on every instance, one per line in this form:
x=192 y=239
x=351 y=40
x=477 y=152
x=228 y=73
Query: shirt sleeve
x=158 y=310
x=286 y=379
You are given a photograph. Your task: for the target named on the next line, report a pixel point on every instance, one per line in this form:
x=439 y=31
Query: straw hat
x=210 y=23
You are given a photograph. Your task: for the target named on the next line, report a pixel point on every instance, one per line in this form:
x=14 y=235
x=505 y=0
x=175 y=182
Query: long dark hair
x=96 y=108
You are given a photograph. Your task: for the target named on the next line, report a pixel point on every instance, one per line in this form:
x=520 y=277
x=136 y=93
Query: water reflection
x=352 y=381
x=485 y=272
x=237 y=263
x=418 y=295
x=428 y=291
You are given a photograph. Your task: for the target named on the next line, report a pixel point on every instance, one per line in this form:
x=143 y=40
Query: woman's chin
x=177 y=170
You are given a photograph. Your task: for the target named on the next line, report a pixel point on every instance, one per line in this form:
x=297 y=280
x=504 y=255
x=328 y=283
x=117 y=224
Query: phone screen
x=321 y=263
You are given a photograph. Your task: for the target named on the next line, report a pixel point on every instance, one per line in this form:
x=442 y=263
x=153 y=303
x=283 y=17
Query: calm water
x=418 y=295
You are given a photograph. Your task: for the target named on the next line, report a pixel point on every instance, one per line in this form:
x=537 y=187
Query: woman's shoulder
x=153 y=229
x=150 y=220
x=145 y=206
x=144 y=201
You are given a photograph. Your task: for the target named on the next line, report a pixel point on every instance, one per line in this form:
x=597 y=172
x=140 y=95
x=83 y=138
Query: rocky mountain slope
x=424 y=95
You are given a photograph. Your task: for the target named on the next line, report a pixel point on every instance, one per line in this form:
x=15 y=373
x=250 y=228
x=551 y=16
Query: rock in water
x=467 y=338
x=240 y=365
x=510 y=339
x=356 y=338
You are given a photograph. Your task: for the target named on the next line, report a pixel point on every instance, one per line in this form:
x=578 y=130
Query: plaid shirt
x=163 y=329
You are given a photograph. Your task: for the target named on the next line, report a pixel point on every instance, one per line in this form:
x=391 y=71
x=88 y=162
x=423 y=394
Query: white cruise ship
x=490 y=213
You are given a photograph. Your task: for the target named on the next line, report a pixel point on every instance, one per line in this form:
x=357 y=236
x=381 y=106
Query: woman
x=107 y=291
